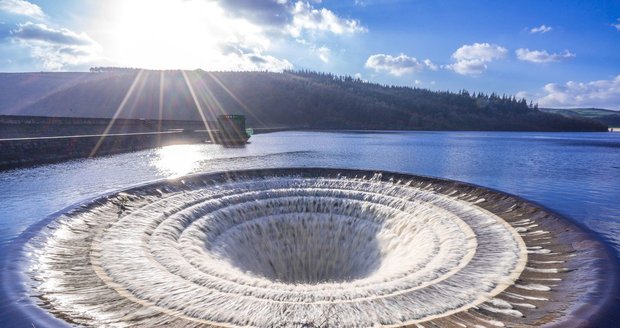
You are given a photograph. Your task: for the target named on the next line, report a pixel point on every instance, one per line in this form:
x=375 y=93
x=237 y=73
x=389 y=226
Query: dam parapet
x=17 y=126
x=32 y=140
x=20 y=152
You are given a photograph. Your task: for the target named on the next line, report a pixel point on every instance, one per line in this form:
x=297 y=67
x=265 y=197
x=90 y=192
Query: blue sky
x=556 y=53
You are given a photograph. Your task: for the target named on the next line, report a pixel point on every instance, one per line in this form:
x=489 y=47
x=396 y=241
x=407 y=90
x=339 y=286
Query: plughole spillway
x=313 y=248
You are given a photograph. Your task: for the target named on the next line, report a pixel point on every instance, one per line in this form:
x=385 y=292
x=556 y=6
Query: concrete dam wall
x=14 y=126
x=31 y=140
x=31 y=151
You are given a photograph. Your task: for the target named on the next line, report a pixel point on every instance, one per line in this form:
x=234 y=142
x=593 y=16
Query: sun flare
x=175 y=34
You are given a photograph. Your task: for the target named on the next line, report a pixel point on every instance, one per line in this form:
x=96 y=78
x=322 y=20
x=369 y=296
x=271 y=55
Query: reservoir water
x=574 y=174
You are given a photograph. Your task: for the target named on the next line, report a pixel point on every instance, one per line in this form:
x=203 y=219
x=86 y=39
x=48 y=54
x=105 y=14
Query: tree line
x=317 y=100
x=306 y=99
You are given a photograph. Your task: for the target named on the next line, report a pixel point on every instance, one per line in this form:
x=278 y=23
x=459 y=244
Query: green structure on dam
x=231 y=130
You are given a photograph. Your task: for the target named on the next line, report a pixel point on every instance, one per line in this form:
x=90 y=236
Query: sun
x=167 y=34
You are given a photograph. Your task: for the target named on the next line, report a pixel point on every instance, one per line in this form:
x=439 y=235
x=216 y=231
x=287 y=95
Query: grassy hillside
x=289 y=99
x=20 y=90
x=608 y=117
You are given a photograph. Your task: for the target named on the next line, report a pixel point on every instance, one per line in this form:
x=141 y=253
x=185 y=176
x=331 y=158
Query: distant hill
x=271 y=100
x=20 y=90
x=608 y=117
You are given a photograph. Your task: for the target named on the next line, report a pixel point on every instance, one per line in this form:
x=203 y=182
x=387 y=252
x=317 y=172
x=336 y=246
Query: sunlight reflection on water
x=176 y=160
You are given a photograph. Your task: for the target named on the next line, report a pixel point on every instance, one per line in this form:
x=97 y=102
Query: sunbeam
x=119 y=110
x=160 y=112
x=232 y=95
x=198 y=106
x=213 y=104
x=215 y=107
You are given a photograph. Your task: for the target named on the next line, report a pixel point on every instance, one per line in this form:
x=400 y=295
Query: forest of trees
x=291 y=99
x=325 y=101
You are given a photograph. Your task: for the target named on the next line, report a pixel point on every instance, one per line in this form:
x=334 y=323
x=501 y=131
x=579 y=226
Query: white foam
x=284 y=250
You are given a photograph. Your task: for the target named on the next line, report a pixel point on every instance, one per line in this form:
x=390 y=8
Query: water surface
x=575 y=174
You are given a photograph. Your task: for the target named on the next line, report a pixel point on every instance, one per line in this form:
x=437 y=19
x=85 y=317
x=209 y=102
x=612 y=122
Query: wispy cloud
x=430 y=65
x=56 y=48
x=420 y=82
x=21 y=7
x=41 y=32
x=542 y=56
x=243 y=58
x=260 y=62
x=541 y=29
x=268 y=13
x=472 y=59
x=398 y=65
x=617 y=25
x=599 y=93
x=323 y=53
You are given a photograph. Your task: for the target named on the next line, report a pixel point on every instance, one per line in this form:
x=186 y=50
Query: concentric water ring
x=315 y=247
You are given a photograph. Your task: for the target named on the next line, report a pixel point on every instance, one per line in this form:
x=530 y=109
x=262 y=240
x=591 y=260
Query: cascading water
x=315 y=247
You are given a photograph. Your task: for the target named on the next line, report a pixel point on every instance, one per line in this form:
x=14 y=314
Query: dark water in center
x=575 y=174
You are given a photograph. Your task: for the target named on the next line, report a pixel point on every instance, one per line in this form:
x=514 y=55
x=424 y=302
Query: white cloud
x=542 y=56
x=479 y=51
x=430 y=65
x=541 y=29
x=600 y=93
x=56 y=48
x=306 y=21
x=398 y=65
x=472 y=59
x=617 y=25
x=307 y=18
x=21 y=7
x=292 y=17
x=468 y=67
x=323 y=53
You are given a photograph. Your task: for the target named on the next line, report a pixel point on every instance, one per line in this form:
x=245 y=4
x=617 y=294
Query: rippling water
x=575 y=174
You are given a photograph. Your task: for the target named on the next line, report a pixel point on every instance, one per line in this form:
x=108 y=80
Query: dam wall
x=32 y=140
x=15 y=126
x=20 y=152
